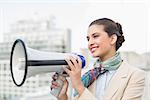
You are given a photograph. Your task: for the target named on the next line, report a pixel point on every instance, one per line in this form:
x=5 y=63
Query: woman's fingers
x=55 y=76
x=54 y=86
x=64 y=87
x=74 y=62
x=67 y=70
x=70 y=63
x=79 y=62
x=62 y=78
x=55 y=83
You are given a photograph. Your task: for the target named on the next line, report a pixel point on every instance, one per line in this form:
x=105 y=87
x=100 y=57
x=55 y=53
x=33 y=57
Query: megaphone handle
x=56 y=91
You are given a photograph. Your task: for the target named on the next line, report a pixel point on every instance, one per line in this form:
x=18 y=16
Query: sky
x=77 y=15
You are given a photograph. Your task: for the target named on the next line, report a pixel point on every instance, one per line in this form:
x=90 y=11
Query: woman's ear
x=113 y=39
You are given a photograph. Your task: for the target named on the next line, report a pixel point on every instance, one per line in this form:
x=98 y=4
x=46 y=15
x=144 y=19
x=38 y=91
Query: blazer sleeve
x=86 y=95
x=135 y=87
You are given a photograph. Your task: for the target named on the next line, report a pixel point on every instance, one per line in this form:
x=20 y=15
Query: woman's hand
x=75 y=65
x=63 y=93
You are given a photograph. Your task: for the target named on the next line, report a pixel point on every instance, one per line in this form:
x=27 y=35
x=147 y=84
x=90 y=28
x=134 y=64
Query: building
x=38 y=34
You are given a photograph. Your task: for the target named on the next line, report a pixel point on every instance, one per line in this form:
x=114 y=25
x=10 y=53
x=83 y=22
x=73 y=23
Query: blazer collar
x=117 y=80
x=112 y=87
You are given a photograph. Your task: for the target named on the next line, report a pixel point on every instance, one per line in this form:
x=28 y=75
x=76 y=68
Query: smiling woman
x=104 y=34
x=112 y=78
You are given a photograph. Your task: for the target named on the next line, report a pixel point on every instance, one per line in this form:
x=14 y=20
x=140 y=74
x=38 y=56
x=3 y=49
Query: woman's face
x=99 y=43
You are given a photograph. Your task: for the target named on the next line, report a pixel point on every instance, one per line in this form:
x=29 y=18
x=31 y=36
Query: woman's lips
x=93 y=49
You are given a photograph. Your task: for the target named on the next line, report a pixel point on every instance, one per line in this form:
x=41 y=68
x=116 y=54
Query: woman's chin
x=95 y=55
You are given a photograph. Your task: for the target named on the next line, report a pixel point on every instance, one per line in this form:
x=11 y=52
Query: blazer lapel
x=116 y=81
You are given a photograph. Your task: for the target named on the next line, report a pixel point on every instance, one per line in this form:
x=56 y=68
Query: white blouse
x=102 y=82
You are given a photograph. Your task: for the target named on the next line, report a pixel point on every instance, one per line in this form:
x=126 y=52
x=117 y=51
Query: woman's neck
x=107 y=56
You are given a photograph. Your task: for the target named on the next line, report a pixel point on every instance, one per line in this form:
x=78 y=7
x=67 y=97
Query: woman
x=120 y=81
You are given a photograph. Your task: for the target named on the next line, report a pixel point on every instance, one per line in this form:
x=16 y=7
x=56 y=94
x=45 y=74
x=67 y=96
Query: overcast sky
x=77 y=15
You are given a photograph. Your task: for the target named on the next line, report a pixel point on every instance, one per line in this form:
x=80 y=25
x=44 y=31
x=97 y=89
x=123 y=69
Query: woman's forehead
x=95 y=29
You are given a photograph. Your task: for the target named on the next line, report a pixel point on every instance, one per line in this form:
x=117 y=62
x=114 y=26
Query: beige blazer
x=126 y=84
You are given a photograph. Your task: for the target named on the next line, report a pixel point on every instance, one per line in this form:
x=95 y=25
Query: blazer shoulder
x=136 y=72
x=133 y=68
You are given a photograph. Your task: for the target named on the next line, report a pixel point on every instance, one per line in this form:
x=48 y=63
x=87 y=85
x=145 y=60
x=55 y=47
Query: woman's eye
x=96 y=36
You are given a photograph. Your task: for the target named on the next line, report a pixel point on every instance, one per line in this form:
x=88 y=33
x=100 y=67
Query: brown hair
x=111 y=28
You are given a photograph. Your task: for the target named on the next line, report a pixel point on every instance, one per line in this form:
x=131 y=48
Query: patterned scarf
x=100 y=68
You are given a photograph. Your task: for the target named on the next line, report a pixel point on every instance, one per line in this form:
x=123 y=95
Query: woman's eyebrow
x=95 y=33
x=92 y=35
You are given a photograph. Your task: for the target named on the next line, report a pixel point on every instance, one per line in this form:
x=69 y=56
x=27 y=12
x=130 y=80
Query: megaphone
x=26 y=62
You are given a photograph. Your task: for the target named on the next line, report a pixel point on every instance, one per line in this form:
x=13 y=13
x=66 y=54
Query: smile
x=93 y=49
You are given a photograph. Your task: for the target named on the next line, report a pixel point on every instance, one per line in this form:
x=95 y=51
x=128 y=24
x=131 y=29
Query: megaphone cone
x=26 y=62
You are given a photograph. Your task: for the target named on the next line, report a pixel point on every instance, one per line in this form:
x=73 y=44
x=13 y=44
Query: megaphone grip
x=56 y=91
